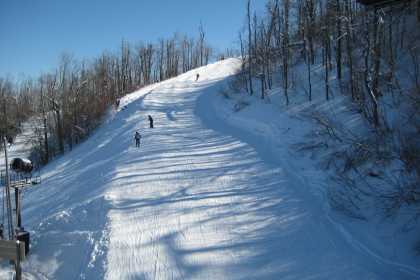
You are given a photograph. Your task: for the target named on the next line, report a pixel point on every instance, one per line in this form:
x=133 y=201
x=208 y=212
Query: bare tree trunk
x=45 y=127
x=402 y=32
x=262 y=86
x=311 y=10
x=326 y=80
x=243 y=58
x=308 y=66
x=338 y=39
x=201 y=38
x=418 y=10
x=286 y=6
x=378 y=34
x=161 y=62
x=306 y=44
x=349 y=48
x=60 y=131
x=327 y=58
x=369 y=80
x=251 y=90
x=57 y=108
x=269 y=34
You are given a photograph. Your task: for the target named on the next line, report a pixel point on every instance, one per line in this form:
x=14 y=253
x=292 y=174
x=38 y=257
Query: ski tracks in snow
x=206 y=206
x=193 y=202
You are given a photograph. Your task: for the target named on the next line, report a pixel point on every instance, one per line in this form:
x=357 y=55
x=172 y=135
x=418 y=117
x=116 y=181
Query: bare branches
x=68 y=103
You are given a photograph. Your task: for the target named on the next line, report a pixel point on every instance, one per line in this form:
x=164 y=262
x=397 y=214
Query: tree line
x=371 y=53
x=360 y=45
x=67 y=104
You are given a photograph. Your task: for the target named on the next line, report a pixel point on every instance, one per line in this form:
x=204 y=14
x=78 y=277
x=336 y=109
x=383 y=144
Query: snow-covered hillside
x=202 y=198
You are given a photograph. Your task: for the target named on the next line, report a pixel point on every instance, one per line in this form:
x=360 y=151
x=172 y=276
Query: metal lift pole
x=17 y=202
x=8 y=198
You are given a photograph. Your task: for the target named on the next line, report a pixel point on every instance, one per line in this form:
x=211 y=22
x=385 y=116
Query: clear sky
x=33 y=33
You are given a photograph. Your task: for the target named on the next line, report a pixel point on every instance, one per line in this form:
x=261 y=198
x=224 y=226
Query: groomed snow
x=200 y=199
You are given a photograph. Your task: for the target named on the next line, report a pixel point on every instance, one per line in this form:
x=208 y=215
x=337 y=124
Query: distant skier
x=196 y=78
x=150 y=121
x=137 y=137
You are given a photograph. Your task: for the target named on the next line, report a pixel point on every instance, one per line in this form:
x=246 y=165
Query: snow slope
x=200 y=199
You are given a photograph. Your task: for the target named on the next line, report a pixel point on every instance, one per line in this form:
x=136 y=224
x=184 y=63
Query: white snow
x=204 y=197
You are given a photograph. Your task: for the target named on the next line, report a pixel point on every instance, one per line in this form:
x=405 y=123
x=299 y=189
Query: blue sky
x=33 y=33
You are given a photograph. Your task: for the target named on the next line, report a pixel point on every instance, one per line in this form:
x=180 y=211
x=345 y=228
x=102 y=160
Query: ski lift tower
x=15 y=245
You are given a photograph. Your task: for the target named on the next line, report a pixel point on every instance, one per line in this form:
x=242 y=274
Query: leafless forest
x=67 y=104
x=371 y=54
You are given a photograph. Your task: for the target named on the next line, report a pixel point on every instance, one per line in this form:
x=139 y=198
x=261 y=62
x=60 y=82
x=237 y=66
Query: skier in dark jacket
x=197 y=77
x=137 y=137
x=150 y=121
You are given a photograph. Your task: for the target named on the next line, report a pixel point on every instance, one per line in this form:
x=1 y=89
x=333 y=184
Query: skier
x=198 y=76
x=150 y=121
x=137 y=137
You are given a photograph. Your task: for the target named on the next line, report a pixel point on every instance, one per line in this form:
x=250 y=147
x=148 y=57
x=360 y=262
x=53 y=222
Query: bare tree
x=338 y=39
x=285 y=49
x=251 y=90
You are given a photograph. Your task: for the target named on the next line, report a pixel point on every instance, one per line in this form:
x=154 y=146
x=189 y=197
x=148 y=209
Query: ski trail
x=197 y=200
x=211 y=208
